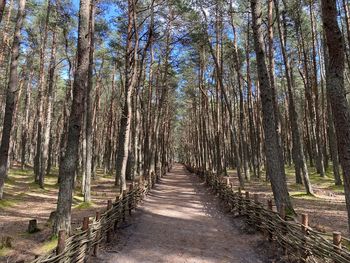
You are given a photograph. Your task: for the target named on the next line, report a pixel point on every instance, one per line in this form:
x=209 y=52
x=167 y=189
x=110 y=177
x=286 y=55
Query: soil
x=326 y=210
x=181 y=221
x=28 y=201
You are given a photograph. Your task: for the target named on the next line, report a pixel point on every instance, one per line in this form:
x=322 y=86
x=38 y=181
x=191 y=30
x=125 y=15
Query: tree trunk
x=11 y=92
x=130 y=82
x=274 y=158
x=2 y=8
x=336 y=90
x=48 y=111
x=88 y=98
x=68 y=163
x=298 y=153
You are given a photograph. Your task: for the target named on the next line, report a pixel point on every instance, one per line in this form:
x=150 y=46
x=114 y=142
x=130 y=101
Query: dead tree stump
x=33 y=226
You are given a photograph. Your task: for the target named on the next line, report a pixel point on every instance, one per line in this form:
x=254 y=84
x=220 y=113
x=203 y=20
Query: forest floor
x=181 y=221
x=326 y=209
x=25 y=200
x=179 y=203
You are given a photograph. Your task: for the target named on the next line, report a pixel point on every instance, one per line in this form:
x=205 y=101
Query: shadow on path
x=180 y=222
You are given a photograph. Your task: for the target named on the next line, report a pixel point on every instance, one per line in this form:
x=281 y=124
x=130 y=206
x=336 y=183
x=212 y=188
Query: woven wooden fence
x=299 y=241
x=86 y=239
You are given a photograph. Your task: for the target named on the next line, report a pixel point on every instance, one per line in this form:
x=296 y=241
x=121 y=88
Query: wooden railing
x=86 y=240
x=298 y=240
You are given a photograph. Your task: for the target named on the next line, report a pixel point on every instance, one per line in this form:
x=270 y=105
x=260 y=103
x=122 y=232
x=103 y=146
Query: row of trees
x=266 y=87
x=87 y=91
x=261 y=87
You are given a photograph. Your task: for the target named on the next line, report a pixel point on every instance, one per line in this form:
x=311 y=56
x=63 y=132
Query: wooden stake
x=270 y=207
x=256 y=201
x=304 y=222
x=97 y=218
x=109 y=232
x=337 y=239
x=131 y=200
x=124 y=204
x=85 y=223
x=304 y=226
x=61 y=243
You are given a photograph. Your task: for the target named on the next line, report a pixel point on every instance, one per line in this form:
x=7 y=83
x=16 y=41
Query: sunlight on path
x=179 y=222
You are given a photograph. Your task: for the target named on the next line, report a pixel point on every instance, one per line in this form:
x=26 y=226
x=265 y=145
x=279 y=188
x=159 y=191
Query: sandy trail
x=179 y=222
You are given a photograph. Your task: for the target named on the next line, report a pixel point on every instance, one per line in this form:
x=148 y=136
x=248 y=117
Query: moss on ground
x=7 y=203
x=4 y=251
x=84 y=205
x=47 y=246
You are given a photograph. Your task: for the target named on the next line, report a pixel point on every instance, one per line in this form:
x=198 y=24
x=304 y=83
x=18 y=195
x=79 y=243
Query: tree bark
x=2 y=8
x=273 y=152
x=88 y=98
x=336 y=90
x=11 y=93
x=298 y=153
x=130 y=82
x=68 y=163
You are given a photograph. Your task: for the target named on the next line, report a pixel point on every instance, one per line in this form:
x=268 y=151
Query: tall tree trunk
x=2 y=8
x=298 y=153
x=39 y=177
x=319 y=152
x=336 y=91
x=68 y=164
x=48 y=110
x=273 y=151
x=11 y=92
x=130 y=82
x=25 y=119
x=88 y=98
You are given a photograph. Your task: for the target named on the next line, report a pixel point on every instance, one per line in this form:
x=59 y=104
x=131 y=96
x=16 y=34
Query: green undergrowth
x=47 y=246
x=7 y=203
x=84 y=205
x=326 y=183
x=4 y=251
x=303 y=195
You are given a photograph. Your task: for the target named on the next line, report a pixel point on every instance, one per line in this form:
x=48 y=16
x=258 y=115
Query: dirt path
x=180 y=222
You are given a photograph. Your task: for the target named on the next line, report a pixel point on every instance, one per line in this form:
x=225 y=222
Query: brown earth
x=326 y=209
x=183 y=210
x=24 y=200
x=181 y=221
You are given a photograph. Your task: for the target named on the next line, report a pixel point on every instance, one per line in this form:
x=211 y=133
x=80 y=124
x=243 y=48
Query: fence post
x=239 y=201
x=86 y=245
x=304 y=226
x=270 y=208
x=246 y=207
x=61 y=243
x=85 y=223
x=118 y=202
x=97 y=218
x=124 y=203
x=109 y=231
x=304 y=222
x=337 y=239
x=257 y=214
x=131 y=198
x=284 y=227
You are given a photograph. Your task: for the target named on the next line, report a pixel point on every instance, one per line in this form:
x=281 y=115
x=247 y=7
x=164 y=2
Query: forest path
x=180 y=222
